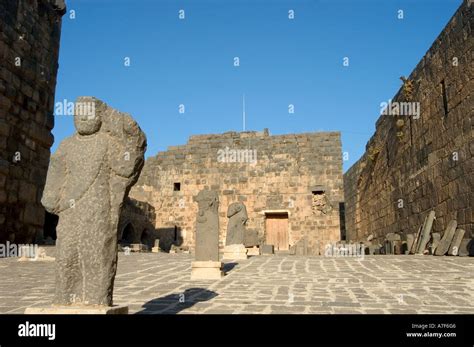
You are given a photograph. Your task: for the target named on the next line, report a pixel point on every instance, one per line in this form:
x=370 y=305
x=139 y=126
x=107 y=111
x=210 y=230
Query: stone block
x=235 y=252
x=266 y=249
x=253 y=251
x=206 y=270
x=138 y=247
x=251 y=238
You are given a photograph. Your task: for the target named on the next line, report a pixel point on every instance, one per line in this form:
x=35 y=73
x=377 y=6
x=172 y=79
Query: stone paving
x=160 y=283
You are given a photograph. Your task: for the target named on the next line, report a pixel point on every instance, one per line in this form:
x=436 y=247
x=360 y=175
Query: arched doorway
x=127 y=234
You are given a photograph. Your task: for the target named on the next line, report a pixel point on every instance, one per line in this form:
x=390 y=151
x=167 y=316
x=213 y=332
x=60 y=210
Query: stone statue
x=237 y=214
x=207 y=264
x=88 y=179
x=234 y=244
x=207 y=226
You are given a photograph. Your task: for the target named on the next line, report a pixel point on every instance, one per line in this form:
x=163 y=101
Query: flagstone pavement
x=159 y=283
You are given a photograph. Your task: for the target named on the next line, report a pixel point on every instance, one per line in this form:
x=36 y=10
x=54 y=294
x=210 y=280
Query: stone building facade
x=291 y=185
x=29 y=48
x=415 y=163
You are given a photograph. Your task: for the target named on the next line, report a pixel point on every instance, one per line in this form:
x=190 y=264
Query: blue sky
x=282 y=62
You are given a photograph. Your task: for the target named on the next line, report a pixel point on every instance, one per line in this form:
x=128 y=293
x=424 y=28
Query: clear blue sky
x=282 y=62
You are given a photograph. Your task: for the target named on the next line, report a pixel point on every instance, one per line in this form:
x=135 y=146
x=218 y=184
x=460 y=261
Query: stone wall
x=413 y=165
x=286 y=171
x=29 y=45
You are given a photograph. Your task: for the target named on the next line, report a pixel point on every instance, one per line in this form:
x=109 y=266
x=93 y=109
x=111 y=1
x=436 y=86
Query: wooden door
x=276 y=229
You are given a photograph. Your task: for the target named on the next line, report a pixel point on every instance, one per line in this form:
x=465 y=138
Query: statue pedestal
x=83 y=309
x=206 y=270
x=235 y=252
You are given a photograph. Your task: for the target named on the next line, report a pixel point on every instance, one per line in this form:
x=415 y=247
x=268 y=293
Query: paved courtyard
x=160 y=283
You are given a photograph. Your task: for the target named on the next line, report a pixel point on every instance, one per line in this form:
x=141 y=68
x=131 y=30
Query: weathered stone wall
x=287 y=170
x=29 y=45
x=411 y=165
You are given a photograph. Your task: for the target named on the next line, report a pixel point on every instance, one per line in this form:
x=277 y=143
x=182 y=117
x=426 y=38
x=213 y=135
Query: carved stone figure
x=88 y=179
x=207 y=226
x=237 y=214
x=207 y=264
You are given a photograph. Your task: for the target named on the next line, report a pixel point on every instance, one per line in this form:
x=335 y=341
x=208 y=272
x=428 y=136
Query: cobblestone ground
x=155 y=283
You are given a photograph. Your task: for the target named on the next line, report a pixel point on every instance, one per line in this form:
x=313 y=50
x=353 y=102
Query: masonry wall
x=288 y=169
x=412 y=166
x=29 y=45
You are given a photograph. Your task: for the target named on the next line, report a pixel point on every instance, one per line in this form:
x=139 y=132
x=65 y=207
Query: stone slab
x=410 y=238
x=118 y=309
x=445 y=242
x=425 y=233
x=466 y=248
x=435 y=239
x=454 y=247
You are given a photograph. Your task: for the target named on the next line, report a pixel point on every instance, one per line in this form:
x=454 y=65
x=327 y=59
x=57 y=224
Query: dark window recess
x=445 y=98
x=176 y=186
x=318 y=192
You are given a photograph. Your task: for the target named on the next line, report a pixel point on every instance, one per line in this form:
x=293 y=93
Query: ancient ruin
x=291 y=186
x=88 y=179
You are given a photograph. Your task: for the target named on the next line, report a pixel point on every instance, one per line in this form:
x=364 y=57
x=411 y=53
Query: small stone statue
x=235 y=248
x=237 y=214
x=88 y=179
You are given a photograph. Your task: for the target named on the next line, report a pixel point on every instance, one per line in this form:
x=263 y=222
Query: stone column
x=207 y=265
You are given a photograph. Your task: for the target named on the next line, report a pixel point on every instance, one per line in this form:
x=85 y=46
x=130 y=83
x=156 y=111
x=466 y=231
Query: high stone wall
x=414 y=165
x=29 y=47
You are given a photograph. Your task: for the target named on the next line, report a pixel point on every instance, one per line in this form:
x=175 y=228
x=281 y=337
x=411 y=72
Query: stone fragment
x=88 y=179
x=235 y=252
x=425 y=233
x=410 y=238
x=253 y=251
x=448 y=235
x=435 y=239
x=156 y=247
x=251 y=238
x=138 y=247
x=466 y=248
x=456 y=243
x=417 y=237
x=266 y=250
